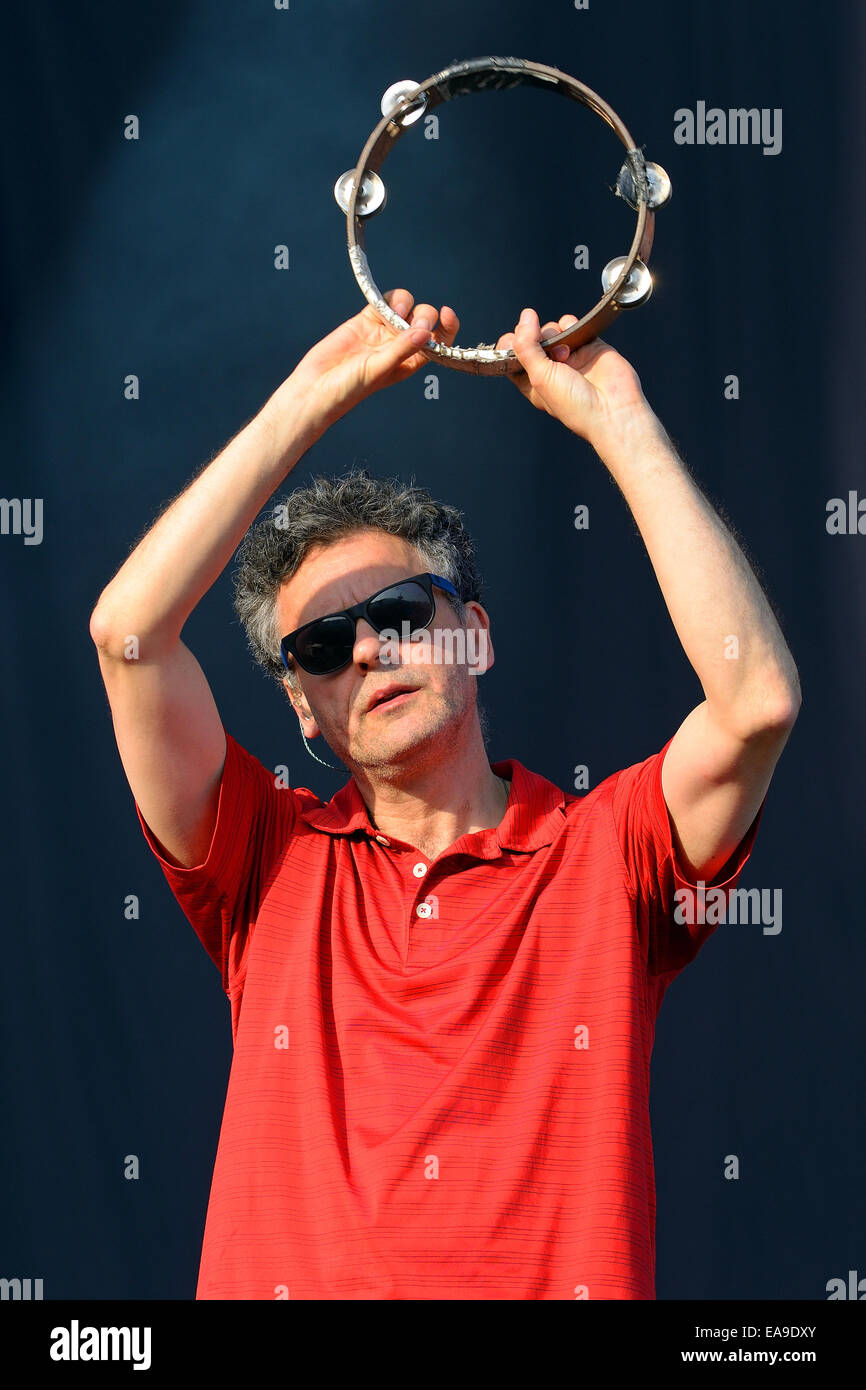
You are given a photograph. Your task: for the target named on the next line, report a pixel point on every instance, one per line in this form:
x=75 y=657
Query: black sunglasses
x=326 y=644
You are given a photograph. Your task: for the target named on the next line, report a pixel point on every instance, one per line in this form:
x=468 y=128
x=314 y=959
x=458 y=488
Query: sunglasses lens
x=402 y=603
x=326 y=645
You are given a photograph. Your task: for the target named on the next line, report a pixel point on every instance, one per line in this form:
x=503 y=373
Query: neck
x=433 y=805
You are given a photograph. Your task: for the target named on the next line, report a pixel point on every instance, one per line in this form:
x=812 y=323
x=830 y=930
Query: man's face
x=415 y=727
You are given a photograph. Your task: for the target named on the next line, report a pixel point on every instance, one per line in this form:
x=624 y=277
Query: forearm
x=720 y=613
x=188 y=547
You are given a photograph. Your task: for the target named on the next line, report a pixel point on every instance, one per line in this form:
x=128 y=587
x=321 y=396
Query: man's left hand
x=592 y=390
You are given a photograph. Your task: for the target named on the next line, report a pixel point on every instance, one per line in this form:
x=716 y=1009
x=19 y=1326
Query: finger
x=450 y=325
x=506 y=341
x=526 y=343
x=503 y=343
x=567 y=321
x=426 y=311
x=403 y=344
x=400 y=301
x=561 y=351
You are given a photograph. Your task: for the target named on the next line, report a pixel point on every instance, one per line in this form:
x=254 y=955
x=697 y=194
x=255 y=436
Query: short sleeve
x=220 y=897
x=676 y=922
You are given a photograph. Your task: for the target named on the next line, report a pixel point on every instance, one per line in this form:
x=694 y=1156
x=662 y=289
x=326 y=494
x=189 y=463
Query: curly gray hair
x=328 y=508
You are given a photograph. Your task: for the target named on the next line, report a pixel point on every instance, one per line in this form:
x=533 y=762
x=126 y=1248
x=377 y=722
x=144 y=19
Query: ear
x=479 y=644
x=302 y=710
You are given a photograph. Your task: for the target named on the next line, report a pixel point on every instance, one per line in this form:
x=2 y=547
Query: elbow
x=103 y=629
x=766 y=712
x=776 y=708
x=787 y=706
x=98 y=628
x=123 y=636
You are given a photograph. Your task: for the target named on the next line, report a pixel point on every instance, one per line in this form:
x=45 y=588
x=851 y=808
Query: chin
x=410 y=735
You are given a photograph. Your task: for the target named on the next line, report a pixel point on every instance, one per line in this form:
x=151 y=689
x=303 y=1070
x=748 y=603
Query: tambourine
x=360 y=193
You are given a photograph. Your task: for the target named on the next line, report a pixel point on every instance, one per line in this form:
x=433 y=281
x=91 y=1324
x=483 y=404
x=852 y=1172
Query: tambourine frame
x=483 y=74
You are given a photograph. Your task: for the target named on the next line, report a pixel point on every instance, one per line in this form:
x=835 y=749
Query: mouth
x=390 y=696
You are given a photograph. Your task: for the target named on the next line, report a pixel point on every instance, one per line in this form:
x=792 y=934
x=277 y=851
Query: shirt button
x=424 y=910
x=382 y=840
x=419 y=870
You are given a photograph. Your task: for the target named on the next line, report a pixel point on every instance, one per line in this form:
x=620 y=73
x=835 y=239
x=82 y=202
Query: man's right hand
x=364 y=354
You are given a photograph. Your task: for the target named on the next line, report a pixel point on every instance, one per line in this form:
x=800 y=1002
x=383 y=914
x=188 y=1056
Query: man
x=444 y=982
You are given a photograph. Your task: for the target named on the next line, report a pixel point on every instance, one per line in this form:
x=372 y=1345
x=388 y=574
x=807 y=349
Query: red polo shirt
x=440 y=1080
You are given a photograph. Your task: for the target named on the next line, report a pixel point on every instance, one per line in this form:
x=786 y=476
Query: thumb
x=400 y=346
x=527 y=347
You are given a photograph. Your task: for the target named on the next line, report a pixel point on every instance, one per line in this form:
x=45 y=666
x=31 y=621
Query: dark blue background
x=156 y=257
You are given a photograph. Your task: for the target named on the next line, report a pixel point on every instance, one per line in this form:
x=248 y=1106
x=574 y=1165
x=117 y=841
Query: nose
x=367 y=647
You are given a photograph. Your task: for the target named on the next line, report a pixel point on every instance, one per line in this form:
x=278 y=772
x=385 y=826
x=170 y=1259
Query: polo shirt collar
x=533 y=817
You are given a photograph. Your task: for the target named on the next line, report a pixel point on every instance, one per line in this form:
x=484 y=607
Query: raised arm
x=168 y=729
x=720 y=761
